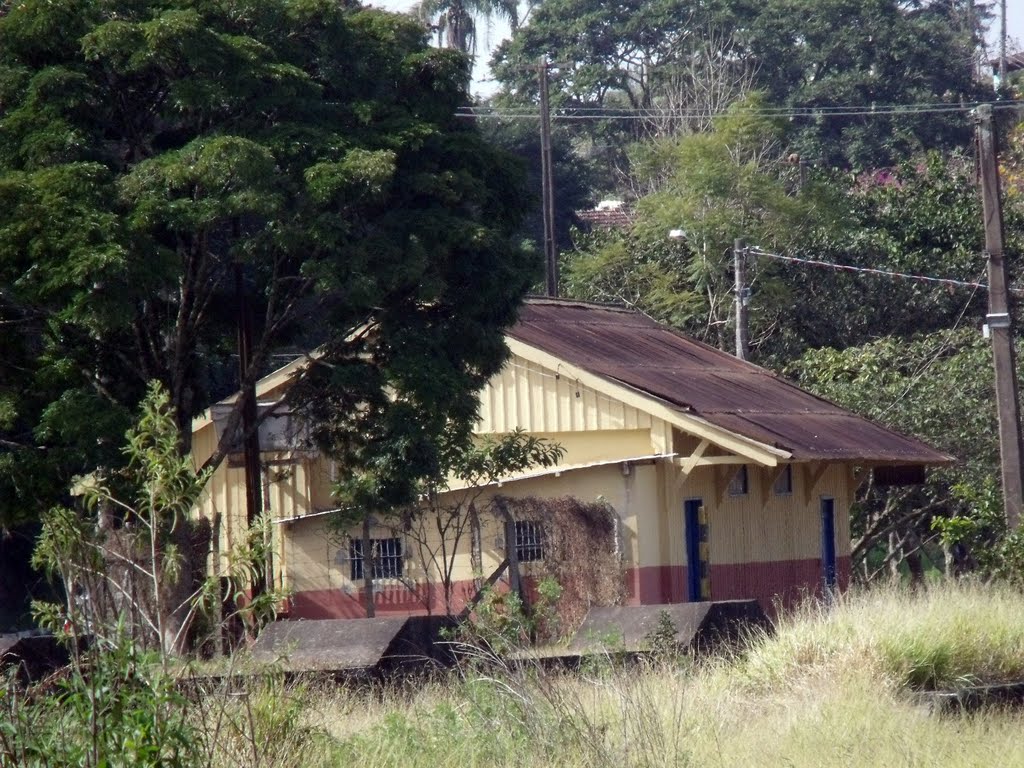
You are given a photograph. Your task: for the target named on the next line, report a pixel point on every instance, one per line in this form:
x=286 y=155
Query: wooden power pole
x=739 y=256
x=547 y=182
x=1000 y=324
x=250 y=415
x=1002 y=44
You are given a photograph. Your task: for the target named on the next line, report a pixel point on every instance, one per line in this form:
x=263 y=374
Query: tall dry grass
x=830 y=687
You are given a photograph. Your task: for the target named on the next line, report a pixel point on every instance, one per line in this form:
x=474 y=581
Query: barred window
x=784 y=481
x=529 y=541
x=738 y=484
x=385 y=556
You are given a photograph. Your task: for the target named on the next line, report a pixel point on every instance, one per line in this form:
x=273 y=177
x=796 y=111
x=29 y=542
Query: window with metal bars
x=784 y=481
x=385 y=557
x=529 y=541
x=738 y=484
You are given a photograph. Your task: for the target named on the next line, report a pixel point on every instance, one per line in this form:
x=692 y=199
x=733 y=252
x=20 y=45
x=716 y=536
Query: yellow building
x=725 y=481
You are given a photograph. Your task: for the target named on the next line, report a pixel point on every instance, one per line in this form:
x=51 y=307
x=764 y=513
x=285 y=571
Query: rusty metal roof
x=631 y=349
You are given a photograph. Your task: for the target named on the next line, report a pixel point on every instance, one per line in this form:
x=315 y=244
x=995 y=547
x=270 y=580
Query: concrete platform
x=698 y=625
x=354 y=645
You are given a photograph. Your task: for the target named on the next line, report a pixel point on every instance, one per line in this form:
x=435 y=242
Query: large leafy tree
x=922 y=217
x=826 y=56
x=154 y=152
x=938 y=386
x=731 y=182
x=828 y=61
x=609 y=53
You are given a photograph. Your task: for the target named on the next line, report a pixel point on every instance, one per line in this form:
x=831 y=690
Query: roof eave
x=755 y=451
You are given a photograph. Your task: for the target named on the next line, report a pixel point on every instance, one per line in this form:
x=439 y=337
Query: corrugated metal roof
x=631 y=349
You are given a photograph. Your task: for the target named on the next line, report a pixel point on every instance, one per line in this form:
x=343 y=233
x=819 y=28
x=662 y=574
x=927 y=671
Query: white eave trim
x=558 y=469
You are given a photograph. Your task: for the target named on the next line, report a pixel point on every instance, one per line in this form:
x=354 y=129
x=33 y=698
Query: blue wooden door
x=828 y=544
x=698 y=582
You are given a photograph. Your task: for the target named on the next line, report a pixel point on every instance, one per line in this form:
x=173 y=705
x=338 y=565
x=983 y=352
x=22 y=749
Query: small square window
x=738 y=484
x=784 y=482
x=529 y=541
x=385 y=556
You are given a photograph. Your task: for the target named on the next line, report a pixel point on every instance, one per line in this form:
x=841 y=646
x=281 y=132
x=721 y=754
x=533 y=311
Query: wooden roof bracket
x=813 y=473
x=769 y=477
x=723 y=477
x=688 y=464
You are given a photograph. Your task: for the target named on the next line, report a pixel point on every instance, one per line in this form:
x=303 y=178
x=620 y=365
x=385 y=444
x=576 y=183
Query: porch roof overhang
x=559 y=469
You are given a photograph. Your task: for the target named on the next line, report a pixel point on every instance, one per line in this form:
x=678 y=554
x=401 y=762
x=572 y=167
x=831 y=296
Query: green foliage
x=717 y=186
x=829 y=54
x=923 y=217
x=812 y=55
x=119 y=708
x=663 y=639
x=493 y=458
x=130 y=578
x=599 y=46
x=133 y=557
x=501 y=624
x=149 y=148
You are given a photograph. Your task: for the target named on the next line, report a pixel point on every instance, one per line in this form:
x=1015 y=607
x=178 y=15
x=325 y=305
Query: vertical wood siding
x=538 y=399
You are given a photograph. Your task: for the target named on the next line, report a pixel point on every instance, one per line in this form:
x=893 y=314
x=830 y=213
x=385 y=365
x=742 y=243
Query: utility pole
x=999 y=323
x=970 y=37
x=739 y=256
x=1002 y=44
x=250 y=432
x=547 y=182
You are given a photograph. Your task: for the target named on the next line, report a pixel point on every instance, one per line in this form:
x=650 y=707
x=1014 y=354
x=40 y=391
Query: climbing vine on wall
x=581 y=553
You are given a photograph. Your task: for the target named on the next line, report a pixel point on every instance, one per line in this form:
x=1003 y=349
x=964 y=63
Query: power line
x=946 y=343
x=607 y=113
x=879 y=272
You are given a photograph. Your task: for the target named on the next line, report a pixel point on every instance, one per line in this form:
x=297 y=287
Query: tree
x=830 y=62
x=456 y=20
x=605 y=51
x=937 y=386
x=823 y=57
x=152 y=151
x=451 y=507
x=922 y=217
x=730 y=182
x=645 y=55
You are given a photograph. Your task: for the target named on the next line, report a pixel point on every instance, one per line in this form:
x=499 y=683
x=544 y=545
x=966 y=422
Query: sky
x=484 y=85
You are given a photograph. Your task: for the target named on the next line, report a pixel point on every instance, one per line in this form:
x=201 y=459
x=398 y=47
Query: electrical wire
x=606 y=113
x=950 y=282
x=946 y=342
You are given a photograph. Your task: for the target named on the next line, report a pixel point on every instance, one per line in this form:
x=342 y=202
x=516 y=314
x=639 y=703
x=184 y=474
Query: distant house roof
x=1014 y=63
x=609 y=214
x=628 y=348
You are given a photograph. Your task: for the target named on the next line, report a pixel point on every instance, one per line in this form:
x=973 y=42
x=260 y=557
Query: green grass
x=944 y=636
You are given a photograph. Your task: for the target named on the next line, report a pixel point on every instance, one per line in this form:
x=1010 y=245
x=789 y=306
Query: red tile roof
x=609 y=218
x=626 y=347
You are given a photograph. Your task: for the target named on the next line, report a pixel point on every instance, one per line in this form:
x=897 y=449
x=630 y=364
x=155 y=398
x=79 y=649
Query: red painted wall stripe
x=784 y=581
